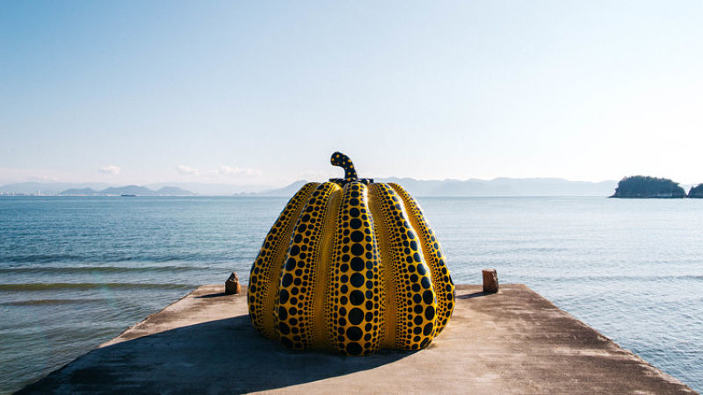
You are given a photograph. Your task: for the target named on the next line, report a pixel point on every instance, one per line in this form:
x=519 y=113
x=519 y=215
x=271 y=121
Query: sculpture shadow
x=208 y=296
x=222 y=356
x=474 y=295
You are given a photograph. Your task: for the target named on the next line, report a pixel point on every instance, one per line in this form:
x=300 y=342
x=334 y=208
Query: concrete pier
x=513 y=341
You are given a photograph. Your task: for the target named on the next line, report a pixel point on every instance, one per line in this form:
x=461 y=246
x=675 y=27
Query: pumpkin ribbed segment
x=265 y=272
x=293 y=309
x=321 y=302
x=415 y=303
x=441 y=280
x=383 y=238
x=356 y=294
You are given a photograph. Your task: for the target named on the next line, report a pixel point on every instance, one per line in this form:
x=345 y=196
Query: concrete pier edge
x=513 y=341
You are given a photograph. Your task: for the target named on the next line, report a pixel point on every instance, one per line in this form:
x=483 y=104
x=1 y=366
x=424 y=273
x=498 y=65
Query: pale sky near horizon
x=263 y=92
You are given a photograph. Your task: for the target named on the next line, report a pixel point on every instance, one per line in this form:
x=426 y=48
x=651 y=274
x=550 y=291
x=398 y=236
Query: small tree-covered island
x=696 y=192
x=643 y=187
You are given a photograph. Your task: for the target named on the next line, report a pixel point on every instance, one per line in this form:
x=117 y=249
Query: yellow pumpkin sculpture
x=350 y=265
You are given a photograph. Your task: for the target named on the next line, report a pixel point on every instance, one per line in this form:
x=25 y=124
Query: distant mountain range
x=127 y=190
x=471 y=187
x=56 y=188
x=475 y=187
x=212 y=189
x=68 y=189
x=46 y=188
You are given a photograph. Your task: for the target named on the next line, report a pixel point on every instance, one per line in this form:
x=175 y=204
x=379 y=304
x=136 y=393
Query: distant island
x=696 y=192
x=643 y=187
x=129 y=190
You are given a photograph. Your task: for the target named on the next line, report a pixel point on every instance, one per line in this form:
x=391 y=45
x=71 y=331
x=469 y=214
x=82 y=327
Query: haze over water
x=75 y=272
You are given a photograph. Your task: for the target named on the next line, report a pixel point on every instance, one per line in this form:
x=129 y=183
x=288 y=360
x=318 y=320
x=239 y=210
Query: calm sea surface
x=75 y=272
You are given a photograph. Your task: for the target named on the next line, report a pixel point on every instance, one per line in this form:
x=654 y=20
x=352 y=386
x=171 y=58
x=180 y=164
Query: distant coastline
x=127 y=191
x=124 y=191
x=497 y=187
x=429 y=188
x=635 y=187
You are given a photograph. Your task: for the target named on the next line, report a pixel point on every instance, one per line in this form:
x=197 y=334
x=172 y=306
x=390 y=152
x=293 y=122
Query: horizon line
x=144 y=184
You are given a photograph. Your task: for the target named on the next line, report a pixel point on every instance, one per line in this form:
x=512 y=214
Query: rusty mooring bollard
x=232 y=285
x=490 y=281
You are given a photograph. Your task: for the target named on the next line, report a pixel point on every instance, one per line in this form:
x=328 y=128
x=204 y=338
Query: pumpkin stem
x=343 y=161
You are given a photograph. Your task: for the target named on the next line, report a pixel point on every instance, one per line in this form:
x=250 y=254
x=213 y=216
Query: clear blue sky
x=264 y=92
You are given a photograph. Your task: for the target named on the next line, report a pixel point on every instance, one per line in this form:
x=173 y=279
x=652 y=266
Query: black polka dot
x=428 y=297
x=356 y=315
x=356 y=298
x=429 y=313
x=355 y=223
x=354 y=333
x=425 y=282
x=357 y=249
x=357 y=236
x=283 y=296
x=354 y=348
x=357 y=279
x=357 y=264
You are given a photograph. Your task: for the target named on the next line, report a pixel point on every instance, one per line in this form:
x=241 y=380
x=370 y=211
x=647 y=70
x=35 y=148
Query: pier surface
x=514 y=341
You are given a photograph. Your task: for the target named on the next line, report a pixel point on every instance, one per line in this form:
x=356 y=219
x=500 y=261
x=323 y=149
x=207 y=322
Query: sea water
x=76 y=271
